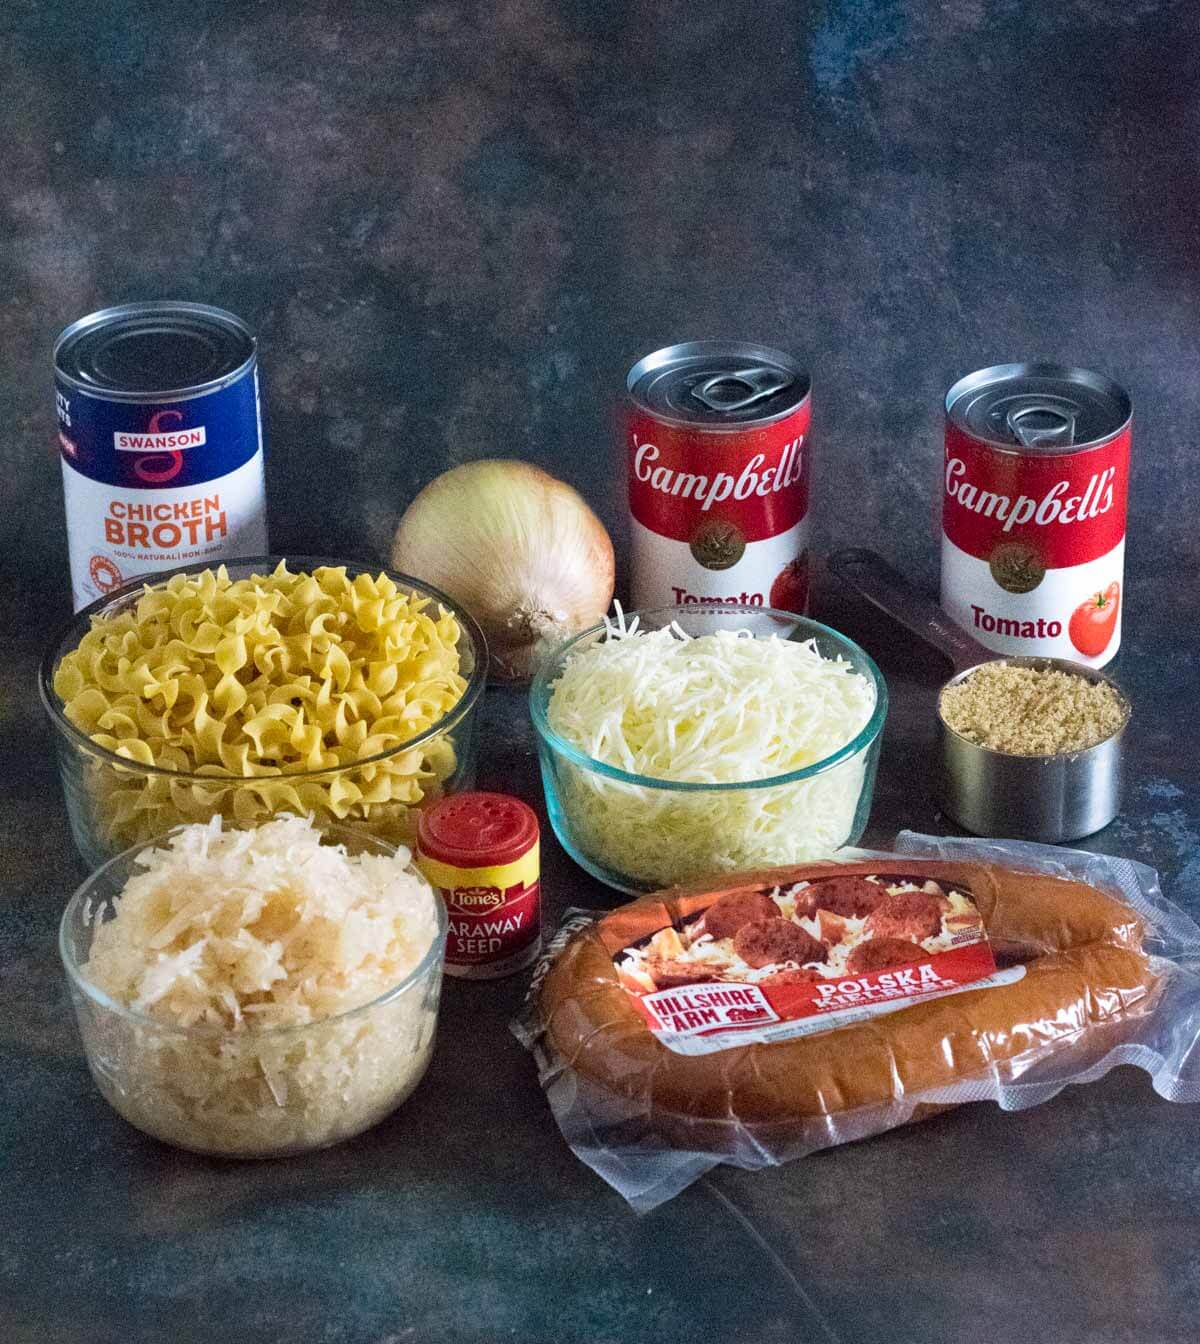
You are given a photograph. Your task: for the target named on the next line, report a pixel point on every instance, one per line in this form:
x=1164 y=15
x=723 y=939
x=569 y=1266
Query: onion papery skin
x=521 y=550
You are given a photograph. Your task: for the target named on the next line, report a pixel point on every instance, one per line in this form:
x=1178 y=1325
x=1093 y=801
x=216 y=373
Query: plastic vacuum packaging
x=763 y=1016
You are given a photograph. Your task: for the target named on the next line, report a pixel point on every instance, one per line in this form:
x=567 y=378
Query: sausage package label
x=772 y=964
x=701 y=1019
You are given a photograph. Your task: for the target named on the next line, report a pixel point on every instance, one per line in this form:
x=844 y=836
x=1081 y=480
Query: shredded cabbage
x=722 y=708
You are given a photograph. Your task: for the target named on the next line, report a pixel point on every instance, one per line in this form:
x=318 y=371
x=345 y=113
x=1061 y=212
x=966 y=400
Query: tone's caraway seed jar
x=1036 y=480
x=718 y=471
x=161 y=442
x=481 y=853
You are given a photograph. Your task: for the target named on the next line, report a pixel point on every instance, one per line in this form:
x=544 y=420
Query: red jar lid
x=477 y=830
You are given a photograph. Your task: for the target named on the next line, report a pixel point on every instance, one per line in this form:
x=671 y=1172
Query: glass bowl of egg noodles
x=341 y=691
x=681 y=742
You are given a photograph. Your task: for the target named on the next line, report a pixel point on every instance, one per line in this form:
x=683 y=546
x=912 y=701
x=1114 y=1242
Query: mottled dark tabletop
x=453 y=226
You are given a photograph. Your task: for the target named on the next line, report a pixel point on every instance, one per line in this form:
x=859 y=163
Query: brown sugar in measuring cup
x=1031 y=710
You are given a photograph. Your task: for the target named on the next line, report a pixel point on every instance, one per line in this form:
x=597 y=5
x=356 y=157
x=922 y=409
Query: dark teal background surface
x=454 y=226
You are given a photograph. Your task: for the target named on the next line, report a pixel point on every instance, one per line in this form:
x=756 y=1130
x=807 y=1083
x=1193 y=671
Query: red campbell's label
x=757 y=478
x=1069 y=507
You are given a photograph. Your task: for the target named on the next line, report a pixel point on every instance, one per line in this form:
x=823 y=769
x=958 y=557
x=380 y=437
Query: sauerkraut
x=256 y=966
x=724 y=708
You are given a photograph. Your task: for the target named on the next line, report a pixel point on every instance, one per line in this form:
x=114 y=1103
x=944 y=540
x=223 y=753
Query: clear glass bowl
x=250 y=1094
x=113 y=802
x=638 y=834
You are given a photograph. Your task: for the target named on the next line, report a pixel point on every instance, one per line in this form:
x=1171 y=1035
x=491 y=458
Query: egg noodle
x=258 y=680
x=722 y=708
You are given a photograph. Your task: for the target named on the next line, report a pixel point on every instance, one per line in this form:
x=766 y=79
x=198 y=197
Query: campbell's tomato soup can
x=1036 y=482
x=161 y=442
x=481 y=853
x=718 y=468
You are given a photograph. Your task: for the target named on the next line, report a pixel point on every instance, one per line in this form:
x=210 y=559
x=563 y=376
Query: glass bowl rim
x=75 y=974
x=539 y=698
x=81 y=622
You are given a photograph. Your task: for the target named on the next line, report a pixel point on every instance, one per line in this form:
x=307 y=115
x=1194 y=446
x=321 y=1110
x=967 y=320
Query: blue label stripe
x=88 y=426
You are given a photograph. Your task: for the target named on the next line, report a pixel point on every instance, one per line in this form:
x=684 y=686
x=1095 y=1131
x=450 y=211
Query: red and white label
x=702 y=1019
x=718 y=516
x=1070 y=507
x=118 y=533
x=775 y=963
x=492 y=932
x=1028 y=538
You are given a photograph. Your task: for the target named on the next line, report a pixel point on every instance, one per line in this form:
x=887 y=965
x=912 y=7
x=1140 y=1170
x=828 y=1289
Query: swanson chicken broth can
x=161 y=442
x=718 y=467
x=1033 y=516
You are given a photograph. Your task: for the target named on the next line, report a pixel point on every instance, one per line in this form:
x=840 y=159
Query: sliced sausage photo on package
x=761 y=1016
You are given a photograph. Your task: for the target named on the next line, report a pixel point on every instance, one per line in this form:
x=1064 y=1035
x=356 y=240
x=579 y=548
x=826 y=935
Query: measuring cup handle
x=870 y=575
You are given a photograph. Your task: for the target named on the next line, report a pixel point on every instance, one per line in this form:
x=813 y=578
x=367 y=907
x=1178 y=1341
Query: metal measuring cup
x=995 y=793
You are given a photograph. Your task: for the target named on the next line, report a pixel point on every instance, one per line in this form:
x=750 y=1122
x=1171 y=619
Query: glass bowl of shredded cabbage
x=261 y=686
x=681 y=742
x=256 y=992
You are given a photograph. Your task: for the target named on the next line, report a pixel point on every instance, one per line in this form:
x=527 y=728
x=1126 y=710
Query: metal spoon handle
x=870 y=575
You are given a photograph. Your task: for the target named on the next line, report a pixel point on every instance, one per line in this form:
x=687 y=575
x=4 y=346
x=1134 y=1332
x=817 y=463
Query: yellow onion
x=520 y=550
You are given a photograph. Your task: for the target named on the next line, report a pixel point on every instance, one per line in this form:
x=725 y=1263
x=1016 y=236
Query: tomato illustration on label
x=1092 y=625
x=789 y=592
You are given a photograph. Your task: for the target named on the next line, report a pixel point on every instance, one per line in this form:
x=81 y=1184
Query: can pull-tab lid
x=737 y=389
x=1038 y=424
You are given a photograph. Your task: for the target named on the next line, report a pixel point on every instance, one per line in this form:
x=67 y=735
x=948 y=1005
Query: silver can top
x=1042 y=408
x=718 y=384
x=160 y=351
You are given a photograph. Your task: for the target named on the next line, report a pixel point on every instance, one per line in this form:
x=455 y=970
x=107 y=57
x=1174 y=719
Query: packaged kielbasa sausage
x=762 y=1016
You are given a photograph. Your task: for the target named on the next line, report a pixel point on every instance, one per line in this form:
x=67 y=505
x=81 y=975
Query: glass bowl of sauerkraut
x=256 y=992
x=343 y=691
x=681 y=742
